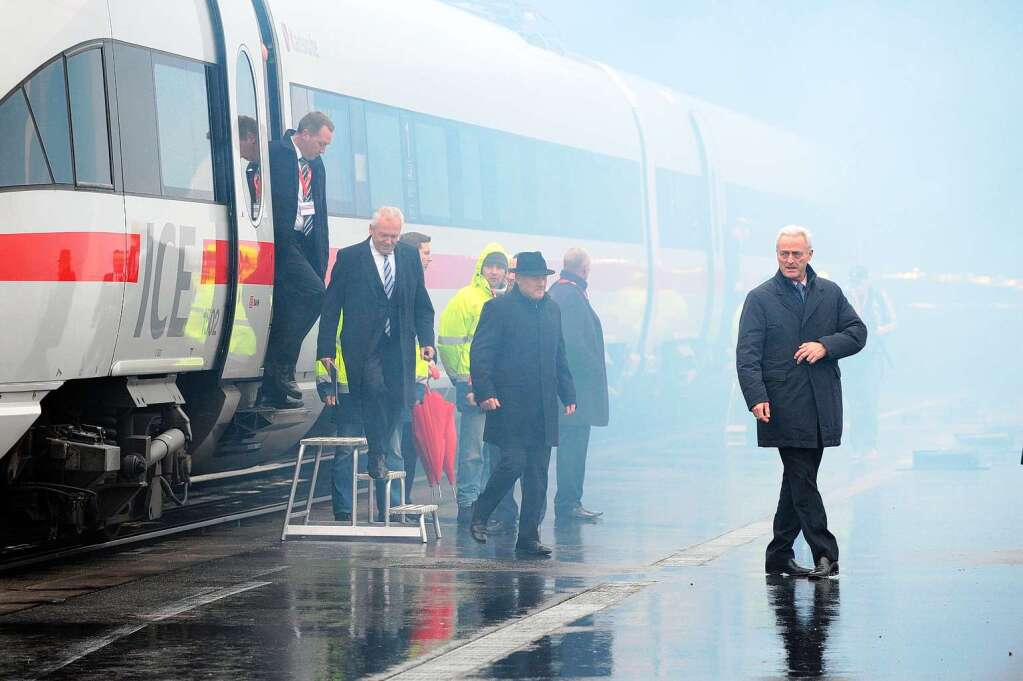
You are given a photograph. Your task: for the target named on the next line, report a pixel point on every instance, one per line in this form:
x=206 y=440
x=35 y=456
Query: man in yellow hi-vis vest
x=457 y=326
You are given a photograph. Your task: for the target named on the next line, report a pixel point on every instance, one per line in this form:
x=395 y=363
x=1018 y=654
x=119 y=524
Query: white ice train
x=136 y=268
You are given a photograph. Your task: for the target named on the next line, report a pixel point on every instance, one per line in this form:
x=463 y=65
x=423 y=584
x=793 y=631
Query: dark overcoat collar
x=784 y=289
x=574 y=278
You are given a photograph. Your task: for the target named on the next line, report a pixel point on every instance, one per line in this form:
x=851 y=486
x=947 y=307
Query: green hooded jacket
x=460 y=317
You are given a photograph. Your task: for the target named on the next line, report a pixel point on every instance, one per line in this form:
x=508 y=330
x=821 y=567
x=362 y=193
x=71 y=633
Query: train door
x=253 y=264
x=166 y=81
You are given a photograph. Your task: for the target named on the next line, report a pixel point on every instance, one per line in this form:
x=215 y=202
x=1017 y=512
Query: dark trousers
x=530 y=464
x=380 y=398
x=800 y=508
x=298 y=298
x=573 y=441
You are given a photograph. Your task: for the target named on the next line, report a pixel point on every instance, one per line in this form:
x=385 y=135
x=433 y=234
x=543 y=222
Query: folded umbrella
x=433 y=426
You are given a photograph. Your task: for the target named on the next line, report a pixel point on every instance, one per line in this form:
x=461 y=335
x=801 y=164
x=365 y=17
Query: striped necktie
x=800 y=290
x=305 y=176
x=388 y=289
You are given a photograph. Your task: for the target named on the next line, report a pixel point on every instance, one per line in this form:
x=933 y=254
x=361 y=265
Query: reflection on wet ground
x=931 y=566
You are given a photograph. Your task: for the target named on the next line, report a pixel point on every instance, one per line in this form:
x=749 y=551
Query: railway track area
x=214 y=502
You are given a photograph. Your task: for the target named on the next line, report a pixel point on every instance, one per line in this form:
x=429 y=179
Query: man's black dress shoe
x=284 y=377
x=579 y=513
x=533 y=548
x=825 y=568
x=276 y=400
x=343 y=517
x=478 y=526
x=791 y=568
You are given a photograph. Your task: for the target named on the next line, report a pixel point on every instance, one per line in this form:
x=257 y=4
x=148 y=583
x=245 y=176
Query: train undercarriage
x=103 y=453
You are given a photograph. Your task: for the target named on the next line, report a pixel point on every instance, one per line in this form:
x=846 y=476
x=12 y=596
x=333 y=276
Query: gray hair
x=796 y=230
x=387 y=212
x=575 y=259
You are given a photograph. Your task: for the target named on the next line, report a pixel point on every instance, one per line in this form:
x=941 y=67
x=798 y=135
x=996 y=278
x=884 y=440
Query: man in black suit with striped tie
x=300 y=252
x=378 y=284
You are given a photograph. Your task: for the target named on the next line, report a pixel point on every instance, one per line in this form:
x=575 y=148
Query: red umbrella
x=449 y=453
x=433 y=425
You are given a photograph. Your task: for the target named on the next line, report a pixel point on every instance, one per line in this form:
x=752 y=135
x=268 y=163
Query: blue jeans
x=573 y=441
x=342 y=472
x=476 y=460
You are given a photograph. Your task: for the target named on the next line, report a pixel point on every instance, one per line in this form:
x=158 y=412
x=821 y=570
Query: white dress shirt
x=379 y=259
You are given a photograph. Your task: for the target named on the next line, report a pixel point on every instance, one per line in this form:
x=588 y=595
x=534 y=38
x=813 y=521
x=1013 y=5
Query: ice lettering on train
x=172 y=323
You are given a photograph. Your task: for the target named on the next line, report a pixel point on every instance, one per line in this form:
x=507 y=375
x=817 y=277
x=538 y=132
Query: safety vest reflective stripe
x=453 y=340
x=341 y=387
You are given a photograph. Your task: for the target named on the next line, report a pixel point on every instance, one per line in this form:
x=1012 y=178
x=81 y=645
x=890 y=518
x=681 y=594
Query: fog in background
x=921 y=99
x=920 y=102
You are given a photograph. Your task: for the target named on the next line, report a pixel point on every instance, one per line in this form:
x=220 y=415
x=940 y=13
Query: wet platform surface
x=669 y=585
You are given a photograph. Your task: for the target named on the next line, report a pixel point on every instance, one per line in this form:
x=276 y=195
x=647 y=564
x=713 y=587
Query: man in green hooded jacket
x=457 y=327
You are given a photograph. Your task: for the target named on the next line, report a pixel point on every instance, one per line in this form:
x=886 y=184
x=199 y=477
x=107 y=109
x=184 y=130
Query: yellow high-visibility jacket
x=324 y=384
x=460 y=317
x=422 y=366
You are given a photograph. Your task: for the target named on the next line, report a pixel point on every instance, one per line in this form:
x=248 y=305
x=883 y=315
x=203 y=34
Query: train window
x=21 y=154
x=136 y=109
x=47 y=96
x=89 y=118
x=470 y=178
x=682 y=210
x=383 y=142
x=614 y=184
x=509 y=166
x=248 y=138
x=183 y=123
x=432 y=171
x=337 y=159
x=551 y=177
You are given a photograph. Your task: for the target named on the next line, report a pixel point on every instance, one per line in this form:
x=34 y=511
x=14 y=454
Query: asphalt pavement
x=669 y=584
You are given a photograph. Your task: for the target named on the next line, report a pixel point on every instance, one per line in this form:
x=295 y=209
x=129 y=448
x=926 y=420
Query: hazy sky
x=923 y=99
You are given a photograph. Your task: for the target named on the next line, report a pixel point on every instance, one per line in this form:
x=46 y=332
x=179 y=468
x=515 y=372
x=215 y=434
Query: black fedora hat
x=531 y=264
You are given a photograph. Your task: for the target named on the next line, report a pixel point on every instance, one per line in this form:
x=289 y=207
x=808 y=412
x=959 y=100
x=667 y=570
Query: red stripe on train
x=255 y=262
x=69 y=256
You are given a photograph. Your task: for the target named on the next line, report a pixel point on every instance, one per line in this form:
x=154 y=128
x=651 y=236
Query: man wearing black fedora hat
x=519 y=374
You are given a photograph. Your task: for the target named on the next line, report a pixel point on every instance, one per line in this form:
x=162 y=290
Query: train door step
x=246 y=431
x=258 y=419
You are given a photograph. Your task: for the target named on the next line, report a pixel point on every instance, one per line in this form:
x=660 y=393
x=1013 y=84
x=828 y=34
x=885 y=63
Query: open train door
x=246 y=261
x=243 y=263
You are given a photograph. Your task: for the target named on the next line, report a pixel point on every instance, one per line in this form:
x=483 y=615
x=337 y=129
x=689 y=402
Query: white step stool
x=357 y=445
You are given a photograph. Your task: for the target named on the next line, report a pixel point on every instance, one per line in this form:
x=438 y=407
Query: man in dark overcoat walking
x=584 y=349
x=298 y=182
x=378 y=284
x=793 y=330
x=519 y=374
